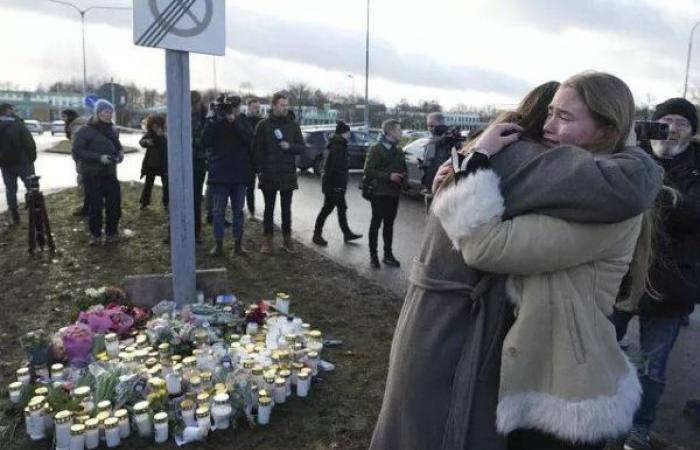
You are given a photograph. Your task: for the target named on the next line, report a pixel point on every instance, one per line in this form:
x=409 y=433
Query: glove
x=105 y=160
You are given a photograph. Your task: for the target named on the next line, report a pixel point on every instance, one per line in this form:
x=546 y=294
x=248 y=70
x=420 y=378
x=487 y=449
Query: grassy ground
x=63 y=147
x=39 y=292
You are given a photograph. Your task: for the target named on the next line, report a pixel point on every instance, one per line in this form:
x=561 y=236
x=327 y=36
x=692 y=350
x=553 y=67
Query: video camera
x=224 y=105
x=650 y=130
x=451 y=136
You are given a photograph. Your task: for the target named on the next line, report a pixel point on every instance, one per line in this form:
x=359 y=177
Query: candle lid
x=91 y=424
x=303 y=375
x=202 y=412
x=15 y=386
x=220 y=388
x=195 y=381
x=282 y=296
x=248 y=363
x=176 y=358
x=121 y=413
x=164 y=346
x=206 y=376
x=297 y=366
x=41 y=391
x=177 y=367
x=82 y=391
x=62 y=417
x=221 y=399
x=257 y=370
x=264 y=401
x=284 y=373
x=111 y=422
x=56 y=367
x=235 y=337
x=141 y=407
x=102 y=416
x=315 y=333
x=82 y=419
x=189 y=361
x=313 y=355
x=202 y=398
x=186 y=405
x=36 y=403
x=161 y=417
x=77 y=429
x=280 y=382
x=22 y=371
x=263 y=393
x=111 y=337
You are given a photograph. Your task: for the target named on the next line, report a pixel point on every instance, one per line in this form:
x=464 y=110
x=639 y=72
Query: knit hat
x=341 y=127
x=679 y=106
x=103 y=105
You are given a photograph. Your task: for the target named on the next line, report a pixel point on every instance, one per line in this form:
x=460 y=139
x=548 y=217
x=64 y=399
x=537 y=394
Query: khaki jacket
x=562 y=371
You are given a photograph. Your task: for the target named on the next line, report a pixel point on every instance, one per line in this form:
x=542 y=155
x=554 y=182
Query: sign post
x=180 y=27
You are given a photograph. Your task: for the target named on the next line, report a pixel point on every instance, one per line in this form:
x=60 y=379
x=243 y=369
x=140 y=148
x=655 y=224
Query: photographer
x=97 y=150
x=17 y=156
x=227 y=139
x=673 y=288
x=437 y=151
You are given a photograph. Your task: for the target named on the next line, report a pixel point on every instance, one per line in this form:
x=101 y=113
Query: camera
x=33 y=183
x=649 y=130
x=224 y=106
x=451 y=136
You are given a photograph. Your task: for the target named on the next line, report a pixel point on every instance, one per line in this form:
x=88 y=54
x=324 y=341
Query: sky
x=473 y=52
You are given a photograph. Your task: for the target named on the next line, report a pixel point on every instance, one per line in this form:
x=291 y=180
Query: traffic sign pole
x=177 y=74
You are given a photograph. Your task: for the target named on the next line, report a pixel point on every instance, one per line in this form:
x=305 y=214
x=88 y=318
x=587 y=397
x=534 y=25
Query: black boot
x=14 y=216
x=318 y=240
x=389 y=260
x=238 y=248
x=218 y=249
x=374 y=261
x=350 y=236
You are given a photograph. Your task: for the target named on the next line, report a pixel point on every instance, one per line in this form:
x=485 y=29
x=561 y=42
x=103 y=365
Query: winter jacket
x=228 y=150
x=675 y=273
x=94 y=140
x=335 y=166
x=253 y=120
x=17 y=145
x=562 y=371
x=277 y=167
x=199 y=153
x=155 y=161
x=383 y=159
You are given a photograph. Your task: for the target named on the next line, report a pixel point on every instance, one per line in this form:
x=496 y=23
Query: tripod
x=39 y=228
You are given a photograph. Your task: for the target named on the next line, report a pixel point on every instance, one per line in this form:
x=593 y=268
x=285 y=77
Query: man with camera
x=17 y=156
x=254 y=117
x=437 y=151
x=672 y=289
x=227 y=139
x=277 y=142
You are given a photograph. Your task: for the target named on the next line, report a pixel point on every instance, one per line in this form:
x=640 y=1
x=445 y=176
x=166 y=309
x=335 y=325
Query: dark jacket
x=198 y=121
x=253 y=120
x=91 y=142
x=228 y=150
x=16 y=142
x=277 y=167
x=381 y=162
x=155 y=161
x=675 y=273
x=335 y=166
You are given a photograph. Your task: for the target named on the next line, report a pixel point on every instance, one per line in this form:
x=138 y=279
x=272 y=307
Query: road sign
x=188 y=25
x=115 y=93
x=90 y=100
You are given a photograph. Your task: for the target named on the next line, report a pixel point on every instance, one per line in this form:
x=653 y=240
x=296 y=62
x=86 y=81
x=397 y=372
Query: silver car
x=34 y=126
x=58 y=126
x=414 y=159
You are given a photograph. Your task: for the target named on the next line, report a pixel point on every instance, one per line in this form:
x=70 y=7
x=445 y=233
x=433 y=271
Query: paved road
x=57 y=172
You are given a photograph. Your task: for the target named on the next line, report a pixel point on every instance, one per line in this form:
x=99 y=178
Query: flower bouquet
x=77 y=342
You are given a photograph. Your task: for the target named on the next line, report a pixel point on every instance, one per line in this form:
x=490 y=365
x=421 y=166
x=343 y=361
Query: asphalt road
x=58 y=172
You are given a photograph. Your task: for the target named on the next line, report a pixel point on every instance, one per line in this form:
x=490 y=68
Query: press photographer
x=438 y=149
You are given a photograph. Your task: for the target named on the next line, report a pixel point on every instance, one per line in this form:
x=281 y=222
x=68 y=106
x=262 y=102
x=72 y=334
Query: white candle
x=161 y=426
x=222 y=411
x=264 y=409
x=203 y=419
x=187 y=408
x=77 y=437
x=62 y=422
x=124 y=425
x=143 y=420
x=23 y=375
x=282 y=303
x=279 y=393
x=36 y=418
x=251 y=328
x=57 y=372
x=303 y=384
x=112 y=345
x=112 y=432
x=92 y=435
x=15 y=390
x=173 y=381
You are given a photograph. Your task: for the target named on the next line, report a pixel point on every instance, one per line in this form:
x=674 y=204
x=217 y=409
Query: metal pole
x=213 y=59
x=177 y=75
x=82 y=27
x=687 y=63
x=367 y=72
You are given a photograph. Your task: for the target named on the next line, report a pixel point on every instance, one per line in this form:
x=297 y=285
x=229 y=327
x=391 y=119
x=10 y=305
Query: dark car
x=316 y=140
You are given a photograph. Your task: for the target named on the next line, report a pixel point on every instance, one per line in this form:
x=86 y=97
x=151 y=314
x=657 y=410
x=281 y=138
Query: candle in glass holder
x=303 y=383
x=205 y=375
x=36 y=418
x=251 y=328
x=23 y=375
x=122 y=415
x=62 y=422
x=203 y=399
x=82 y=395
x=173 y=380
x=264 y=410
x=92 y=434
x=161 y=425
x=142 y=419
x=15 y=391
x=221 y=412
x=57 y=372
x=101 y=417
x=282 y=303
x=203 y=419
x=287 y=376
x=312 y=361
x=104 y=406
x=112 y=344
x=77 y=437
x=187 y=408
x=279 y=393
x=112 y=435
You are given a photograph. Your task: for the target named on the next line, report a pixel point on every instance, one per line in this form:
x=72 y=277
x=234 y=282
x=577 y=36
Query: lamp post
x=367 y=72
x=352 y=97
x=82 y=13
x=687 y=64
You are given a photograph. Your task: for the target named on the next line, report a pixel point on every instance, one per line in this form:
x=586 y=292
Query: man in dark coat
x=199 y=159
x=17 y=156
x=228 y=139
x=674 y=277
x=97 y=149
x=334 y=183
x=155 y=161
x=253 y=116
x=277 y=142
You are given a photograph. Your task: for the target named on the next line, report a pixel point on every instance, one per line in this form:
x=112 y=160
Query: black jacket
x=335 y=166
x=277 y=167
x=16 y=142
x=91 y=142
x=675 y=273
x=228 y=150
x=155 y=161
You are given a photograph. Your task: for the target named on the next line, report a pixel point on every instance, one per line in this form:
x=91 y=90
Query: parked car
x=58 y=126
x=316 y=140
x=34 y=126
x=414 y=158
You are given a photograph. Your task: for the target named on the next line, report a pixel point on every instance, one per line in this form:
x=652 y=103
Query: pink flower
x=97 y=319
x=77 y=342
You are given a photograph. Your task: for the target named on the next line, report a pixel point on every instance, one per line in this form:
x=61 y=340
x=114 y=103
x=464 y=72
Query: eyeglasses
x=678 y=123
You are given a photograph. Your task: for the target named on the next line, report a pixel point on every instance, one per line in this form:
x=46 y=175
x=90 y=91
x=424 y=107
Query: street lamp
x=687 y=64
x=82 y=13
x=367 y=72
x=352 y=98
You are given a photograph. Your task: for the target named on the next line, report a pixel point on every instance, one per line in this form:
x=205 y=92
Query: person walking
x=17 y=156
x=97 y=149
x=228 y=139
x=276 y=143
x=254 y=117
x=334 y=183
x=155 y=161
x=385 y=168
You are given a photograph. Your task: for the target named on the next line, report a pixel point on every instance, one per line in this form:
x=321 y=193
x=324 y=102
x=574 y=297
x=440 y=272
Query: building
x=42 y=106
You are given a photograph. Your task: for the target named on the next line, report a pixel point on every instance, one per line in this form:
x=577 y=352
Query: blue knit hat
x=102 y=105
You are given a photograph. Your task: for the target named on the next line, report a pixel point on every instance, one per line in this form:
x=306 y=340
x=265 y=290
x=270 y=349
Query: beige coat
x=562 y=370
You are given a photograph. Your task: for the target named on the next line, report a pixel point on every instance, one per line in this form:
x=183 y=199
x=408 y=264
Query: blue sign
x=90 y=100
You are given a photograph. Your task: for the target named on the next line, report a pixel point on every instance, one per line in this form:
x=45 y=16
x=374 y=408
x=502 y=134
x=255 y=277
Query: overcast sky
x=474 y=52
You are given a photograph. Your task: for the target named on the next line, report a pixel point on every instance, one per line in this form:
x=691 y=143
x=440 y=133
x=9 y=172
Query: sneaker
x=389 y=260
x=112 y=239
x=351 y=237
x=318 y=240
x=638 y=439
x=374 y=262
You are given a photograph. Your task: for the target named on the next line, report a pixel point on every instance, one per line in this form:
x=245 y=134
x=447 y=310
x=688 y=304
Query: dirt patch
x=40 y=292
x=64 y=147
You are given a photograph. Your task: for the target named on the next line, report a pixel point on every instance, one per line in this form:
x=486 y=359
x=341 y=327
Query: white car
x=58 y=126
x=34 y=126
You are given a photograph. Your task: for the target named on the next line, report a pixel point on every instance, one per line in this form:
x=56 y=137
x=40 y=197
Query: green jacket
x=277 y=167
x=380 y=164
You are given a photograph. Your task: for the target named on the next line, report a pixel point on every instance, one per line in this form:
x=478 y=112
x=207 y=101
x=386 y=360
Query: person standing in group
x=385 y=169
x=155 y=161
x=437 y=151
x=17 y=156
x=71 y=123
x=673 y=287
x=227 y=139
x=277 y=142
x=199 y=159
x=254 y=117
x=334 y=183
x=97 y=149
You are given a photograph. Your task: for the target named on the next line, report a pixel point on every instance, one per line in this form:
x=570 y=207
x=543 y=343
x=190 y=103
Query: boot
x=374 y=261
x=266 y=248
x=318 y=240
x=14 y=216
x=288 y=245
x=238 y=248
x=218 y=249
x=389 y=260
x=350 y=236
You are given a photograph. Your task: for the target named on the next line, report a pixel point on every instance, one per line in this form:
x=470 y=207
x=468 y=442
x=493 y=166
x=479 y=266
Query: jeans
x=334 y=200
x=527 y=439
x=268 y=215
x=9 y=177
x=657 y=335
x=148 y=187
x=220 y=194
x=384 y=209
x=250 y=195
x=103 y=191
